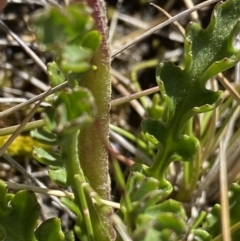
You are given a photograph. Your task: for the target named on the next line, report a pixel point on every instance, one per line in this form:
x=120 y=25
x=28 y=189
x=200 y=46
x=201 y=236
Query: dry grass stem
x=162 y=25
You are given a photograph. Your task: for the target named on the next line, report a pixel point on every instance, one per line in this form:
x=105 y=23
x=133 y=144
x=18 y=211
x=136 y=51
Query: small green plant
x=207 y=52
x=78 y=123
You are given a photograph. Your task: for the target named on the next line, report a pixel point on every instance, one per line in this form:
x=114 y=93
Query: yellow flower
x=21 y=146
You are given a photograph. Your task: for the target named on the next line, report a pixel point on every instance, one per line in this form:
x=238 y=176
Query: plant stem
x=94 y=138
x=74 y=174
x=84 y=206
x=70 y=157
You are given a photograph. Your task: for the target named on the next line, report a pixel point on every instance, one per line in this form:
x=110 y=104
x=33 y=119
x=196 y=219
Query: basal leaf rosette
x=164 y=221
x=144 y=192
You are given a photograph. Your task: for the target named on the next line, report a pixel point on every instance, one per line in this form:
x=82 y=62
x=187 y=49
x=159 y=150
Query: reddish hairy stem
x=94 y=138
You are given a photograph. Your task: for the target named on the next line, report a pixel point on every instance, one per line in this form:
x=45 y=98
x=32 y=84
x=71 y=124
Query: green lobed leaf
x=144 y=193
x=58 y=175
x=55 y=75
x=149 y=233
x=75 y=59
x=213 y=220
x=201 y=235
x=44 y=136
x=157 y=109
x=139 y=185
x=162 y=226
x=169 y=205
x=56 y=27
x=181 y=148
x=167 y=218
x=92 y=40
x=50 y=230
x=207 y=52
x=67 y=31
x=71 y=109
x=139 y=175
x=47 y=157
x=18 y=217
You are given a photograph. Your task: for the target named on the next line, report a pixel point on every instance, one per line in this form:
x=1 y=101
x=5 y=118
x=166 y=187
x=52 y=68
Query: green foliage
x=19 y=214
x=145 y=208
x=70 y=110
x=164 y=221
x=43 y=135
x=49 y=230
x=157 y=110
x=57 y=27
x=207 y=52
x=74 y=107
x=69 y=32
x=17 y=223
x=55 y=74
x=211 y=228
x=147 y=219
x=201 y=235
x=65 y=31
x=213 y=220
